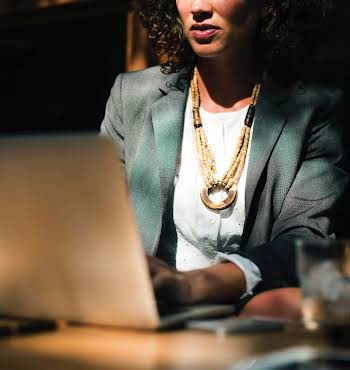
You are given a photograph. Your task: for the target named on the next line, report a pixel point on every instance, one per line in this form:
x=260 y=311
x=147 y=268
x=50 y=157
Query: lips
x=202 y=32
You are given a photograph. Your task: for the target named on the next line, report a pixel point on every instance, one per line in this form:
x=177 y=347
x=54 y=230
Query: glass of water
x=324 y=273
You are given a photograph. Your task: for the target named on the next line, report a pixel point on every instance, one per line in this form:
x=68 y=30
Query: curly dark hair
x=287 y=29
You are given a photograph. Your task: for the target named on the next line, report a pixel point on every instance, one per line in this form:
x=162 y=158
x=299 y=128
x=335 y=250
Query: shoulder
x=317 y=111
x=142 y=77
x=141 y=84
x=317 y=99
x=322 y=114
x=305 y=94
x=133 y=92
x=314 y=102
x=319 y=95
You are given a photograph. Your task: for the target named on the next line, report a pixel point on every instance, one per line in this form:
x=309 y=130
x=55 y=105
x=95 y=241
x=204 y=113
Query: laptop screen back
x=69 y=246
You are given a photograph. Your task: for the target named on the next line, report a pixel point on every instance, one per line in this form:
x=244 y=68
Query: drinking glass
x=324 y=273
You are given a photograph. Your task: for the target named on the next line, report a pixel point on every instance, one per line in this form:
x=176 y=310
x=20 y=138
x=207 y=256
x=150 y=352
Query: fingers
x=156 y=265
x=172 y=287
x=151 y=265
x=168 y=283
x=164 y=287
x=154 y=261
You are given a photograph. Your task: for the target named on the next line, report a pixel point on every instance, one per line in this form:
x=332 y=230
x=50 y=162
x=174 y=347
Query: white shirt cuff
x=250 y=270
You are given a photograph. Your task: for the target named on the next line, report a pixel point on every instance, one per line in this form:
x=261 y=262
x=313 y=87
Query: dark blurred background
x=59 y=58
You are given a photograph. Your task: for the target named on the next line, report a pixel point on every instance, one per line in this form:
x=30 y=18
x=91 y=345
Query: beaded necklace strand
x=207 y=164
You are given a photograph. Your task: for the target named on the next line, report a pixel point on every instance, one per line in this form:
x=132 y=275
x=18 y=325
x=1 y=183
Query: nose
x=201 y=9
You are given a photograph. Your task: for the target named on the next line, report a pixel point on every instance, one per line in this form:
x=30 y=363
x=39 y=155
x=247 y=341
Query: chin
x=206 y=50
x=209 y=50
x=207 y=53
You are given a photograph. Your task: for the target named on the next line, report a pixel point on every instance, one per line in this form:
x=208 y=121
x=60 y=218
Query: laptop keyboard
x=165 y=308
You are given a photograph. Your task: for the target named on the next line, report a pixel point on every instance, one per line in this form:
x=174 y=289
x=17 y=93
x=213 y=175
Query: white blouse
x=205 y=236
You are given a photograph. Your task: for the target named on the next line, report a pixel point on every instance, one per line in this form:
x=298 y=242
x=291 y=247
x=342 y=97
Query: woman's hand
x=168 y=283
x=283 y=303
x=221 y=283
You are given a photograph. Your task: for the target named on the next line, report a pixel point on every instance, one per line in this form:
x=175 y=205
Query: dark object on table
x=11 y=326
x=236 y=325
x=298 y=358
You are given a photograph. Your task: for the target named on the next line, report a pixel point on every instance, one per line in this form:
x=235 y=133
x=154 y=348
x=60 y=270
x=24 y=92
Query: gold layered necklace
x=229 y=181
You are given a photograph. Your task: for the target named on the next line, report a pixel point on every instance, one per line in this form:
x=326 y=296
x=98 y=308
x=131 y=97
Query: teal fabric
x=295 y=177
x=150 y=184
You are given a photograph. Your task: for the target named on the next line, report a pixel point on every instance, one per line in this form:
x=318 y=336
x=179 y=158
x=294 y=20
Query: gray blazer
x=295 y=176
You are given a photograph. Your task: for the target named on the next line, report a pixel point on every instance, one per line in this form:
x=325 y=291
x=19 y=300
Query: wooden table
x=86 y=347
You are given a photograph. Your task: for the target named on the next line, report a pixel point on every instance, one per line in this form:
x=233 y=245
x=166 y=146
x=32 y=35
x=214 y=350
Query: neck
x=226 y=84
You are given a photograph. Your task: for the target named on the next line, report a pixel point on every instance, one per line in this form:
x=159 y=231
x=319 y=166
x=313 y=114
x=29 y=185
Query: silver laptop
x=69 y=245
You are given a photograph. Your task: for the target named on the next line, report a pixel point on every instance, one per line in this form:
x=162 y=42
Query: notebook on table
x=69 y=244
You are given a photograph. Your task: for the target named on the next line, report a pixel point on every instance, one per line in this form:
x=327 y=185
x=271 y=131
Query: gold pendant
x=231 y=197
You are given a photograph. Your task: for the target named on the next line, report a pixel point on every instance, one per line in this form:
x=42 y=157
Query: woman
x=222 y=189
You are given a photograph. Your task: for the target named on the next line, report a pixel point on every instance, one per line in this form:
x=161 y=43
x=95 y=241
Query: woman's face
x=217 y=27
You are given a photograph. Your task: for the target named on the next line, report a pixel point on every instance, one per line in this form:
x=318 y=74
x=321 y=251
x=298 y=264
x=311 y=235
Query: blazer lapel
x=145 y=188
x=271 y=116
x=168 y=119
x=155 y=162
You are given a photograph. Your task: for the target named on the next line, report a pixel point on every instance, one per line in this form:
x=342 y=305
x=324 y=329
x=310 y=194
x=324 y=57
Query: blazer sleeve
x=112 y=124
x=309 y=207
